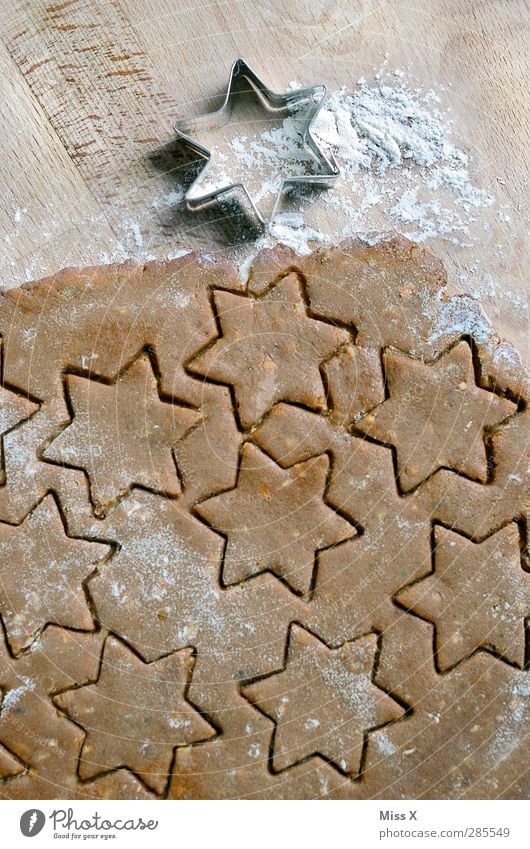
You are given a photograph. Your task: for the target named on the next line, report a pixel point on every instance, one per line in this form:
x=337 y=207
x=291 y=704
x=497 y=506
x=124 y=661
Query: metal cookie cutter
x=274 y=103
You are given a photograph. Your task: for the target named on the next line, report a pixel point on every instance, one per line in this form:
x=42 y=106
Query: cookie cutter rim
x=271 y=101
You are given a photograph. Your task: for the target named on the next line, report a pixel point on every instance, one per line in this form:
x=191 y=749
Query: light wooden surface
x=90 y=91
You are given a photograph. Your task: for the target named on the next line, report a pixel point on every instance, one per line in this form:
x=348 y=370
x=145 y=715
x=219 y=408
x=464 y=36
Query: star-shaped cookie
x=477 y=596
x=324 y=701
x=42 y=571
x=275 y=519
x=435 y=416
x=135 y=714
x=46 y=746
x=122 y=433
x=270 y=350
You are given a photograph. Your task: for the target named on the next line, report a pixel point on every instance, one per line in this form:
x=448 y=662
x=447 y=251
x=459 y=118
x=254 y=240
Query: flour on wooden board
x=394 y=145
x=402 y=168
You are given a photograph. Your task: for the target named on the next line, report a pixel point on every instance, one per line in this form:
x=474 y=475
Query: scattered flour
x=12 y=697
x=385 y=745
x=394 y=146
x=402 y=168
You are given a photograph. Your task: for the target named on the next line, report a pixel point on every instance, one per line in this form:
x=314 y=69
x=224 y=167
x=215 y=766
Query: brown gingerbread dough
x=262 y=539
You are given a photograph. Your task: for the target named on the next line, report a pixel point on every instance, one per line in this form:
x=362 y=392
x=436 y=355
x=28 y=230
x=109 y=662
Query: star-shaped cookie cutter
x=273 y=102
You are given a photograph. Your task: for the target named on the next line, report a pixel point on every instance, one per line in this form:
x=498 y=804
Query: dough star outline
x=435 y=416
x=122 y=433
x=477 y=596
x=271 y=350
x=351 y=704
x=275 y=519
x=136 y=713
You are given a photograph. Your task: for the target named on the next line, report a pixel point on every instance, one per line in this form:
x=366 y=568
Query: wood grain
x=45 y=203
x=91 y=89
